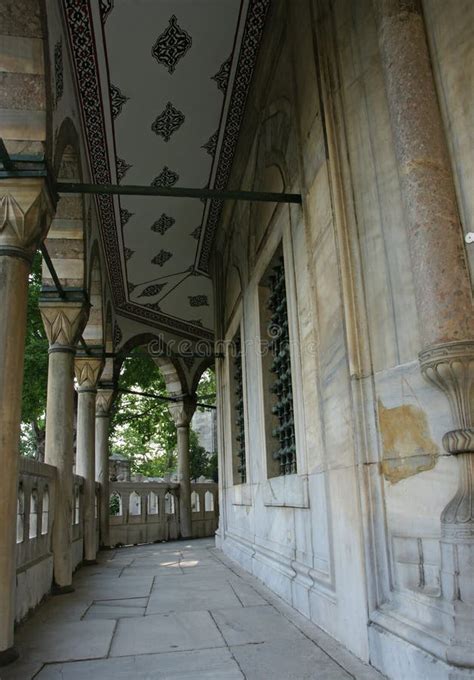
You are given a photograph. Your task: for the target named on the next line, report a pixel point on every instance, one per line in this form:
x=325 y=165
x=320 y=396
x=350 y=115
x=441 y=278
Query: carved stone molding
x=182 y=411
x=450 y=368
x=26 y=210
x=103 y=402
x=63 y=321
x=87 y=370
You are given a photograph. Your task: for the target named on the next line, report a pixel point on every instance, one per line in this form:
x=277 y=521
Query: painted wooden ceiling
x=162 y=87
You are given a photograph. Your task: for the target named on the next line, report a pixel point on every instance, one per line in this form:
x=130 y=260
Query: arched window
x=77 y=506
x=115 y=504
x=209 y=501
x=195 y=502
x=169 y=504
x=20 y=516
x=45 y=512
x=152 y=503
x=33 y=530
x=135 y=504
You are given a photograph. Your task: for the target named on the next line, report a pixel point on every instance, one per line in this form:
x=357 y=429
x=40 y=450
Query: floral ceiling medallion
x=152 y=290
x=128 y=252
x=169 y=120
x=117 y=100
x=122 y=169
x=166 y=178
x=162 y=224
x=211 y=144
x=198 y=301
x=222 y=76
x=125 y=215
x=171 y=45
x=162 y=257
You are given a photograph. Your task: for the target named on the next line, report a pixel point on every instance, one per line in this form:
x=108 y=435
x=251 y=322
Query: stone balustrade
x=145 y=512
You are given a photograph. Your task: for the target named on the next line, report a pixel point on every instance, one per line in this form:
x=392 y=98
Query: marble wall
x=353 y=539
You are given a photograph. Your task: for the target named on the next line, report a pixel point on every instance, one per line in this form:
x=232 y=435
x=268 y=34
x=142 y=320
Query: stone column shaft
x=442 y=284
x=184 y=481
x=102 y=425
x=14 y=291
x=64 y=322
x=182 y=413
x=87 y=373
x=25 y=215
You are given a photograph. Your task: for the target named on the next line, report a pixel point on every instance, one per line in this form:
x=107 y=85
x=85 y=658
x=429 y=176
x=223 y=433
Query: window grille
x=284 y=433
x=239 y=410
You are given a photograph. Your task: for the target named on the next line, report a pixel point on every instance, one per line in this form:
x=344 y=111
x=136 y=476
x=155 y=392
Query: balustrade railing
x=145 y=512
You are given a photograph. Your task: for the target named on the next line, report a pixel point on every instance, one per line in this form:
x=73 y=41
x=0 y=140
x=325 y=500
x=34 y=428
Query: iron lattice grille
x=239 y=410
x=281 y=387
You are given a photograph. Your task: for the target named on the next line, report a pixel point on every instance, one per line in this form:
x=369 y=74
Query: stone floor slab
x=164 y=633
x=66 y=641
x=299 y=660
x=104 y=611
x=180 y=598
x=245 y=625
x=209 y=664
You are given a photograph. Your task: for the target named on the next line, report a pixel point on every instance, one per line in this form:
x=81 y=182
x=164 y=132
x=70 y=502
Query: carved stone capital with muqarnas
x=450 y=367
x=182 y=411
x=63 y=320
x=87 y=370
x=103 y=402
x=26 y=211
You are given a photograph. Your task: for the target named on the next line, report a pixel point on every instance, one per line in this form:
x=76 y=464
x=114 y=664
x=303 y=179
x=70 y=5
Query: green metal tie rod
x=175 y=192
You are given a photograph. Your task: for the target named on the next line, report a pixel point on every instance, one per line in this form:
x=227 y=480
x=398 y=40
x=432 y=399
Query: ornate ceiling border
x=80 y=29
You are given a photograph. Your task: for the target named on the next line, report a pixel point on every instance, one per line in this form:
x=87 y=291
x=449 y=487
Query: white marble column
x=182 y=413
x=25 y=214
x=103 y=404
x=64 y=322
x=87 y=369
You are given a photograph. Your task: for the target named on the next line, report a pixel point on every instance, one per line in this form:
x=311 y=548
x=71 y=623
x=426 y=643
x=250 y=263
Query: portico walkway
x=174 y=610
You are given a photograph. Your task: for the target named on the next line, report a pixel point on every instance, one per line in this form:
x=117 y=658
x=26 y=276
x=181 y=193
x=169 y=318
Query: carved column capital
x=26 y=211
x=103 y=401
x=87 y=370
x=64 y=320
x=182 y=411
x=450 y=367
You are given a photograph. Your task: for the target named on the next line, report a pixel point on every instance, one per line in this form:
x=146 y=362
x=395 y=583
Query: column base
x=8 y=656
x=89 y=563
x=61 y=590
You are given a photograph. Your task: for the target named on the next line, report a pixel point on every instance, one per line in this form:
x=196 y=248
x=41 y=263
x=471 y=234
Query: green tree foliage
x=142 y=427
x=35 y=371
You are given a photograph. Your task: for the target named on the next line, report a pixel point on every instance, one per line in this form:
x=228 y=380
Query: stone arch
x=206 y=363
x=66 y=238
x=273 y=160
x=170 y=367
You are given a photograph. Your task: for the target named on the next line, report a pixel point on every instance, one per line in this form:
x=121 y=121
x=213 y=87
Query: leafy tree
x=35 y=371
x=142 y=428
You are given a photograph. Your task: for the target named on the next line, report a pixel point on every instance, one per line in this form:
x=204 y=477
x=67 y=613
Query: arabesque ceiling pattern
x=163 y=86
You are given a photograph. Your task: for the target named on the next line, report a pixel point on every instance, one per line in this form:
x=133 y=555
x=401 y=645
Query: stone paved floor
x=174 y=610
